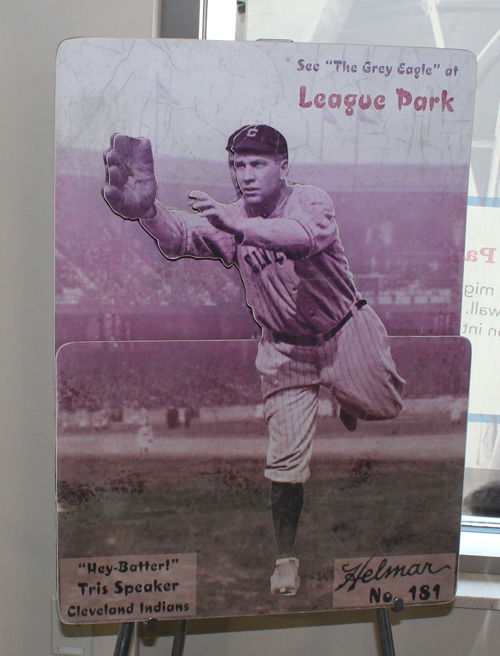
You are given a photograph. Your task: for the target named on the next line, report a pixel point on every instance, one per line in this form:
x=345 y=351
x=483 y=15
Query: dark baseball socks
x=286 y=505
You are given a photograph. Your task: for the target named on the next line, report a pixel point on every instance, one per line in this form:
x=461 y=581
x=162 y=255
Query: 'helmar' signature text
x=362 y=572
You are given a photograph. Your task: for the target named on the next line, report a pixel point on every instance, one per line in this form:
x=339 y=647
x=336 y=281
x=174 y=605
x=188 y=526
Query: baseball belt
x=316 y=340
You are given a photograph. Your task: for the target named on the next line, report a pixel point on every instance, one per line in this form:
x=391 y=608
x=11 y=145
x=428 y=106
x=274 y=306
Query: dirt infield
x=359 y=501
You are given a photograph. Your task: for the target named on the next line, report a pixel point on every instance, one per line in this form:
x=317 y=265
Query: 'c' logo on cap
x=252 y=132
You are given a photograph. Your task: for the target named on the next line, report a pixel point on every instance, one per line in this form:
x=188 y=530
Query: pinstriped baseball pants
x=356 y=365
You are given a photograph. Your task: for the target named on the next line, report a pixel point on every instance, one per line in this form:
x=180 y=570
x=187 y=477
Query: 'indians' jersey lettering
x=259 y=258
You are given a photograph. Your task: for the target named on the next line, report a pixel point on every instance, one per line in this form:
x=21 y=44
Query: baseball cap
x=261 y=139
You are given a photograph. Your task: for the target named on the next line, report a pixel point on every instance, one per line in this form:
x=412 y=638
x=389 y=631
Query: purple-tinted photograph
x=306 y=218
x=387 y=154
x=163 y=448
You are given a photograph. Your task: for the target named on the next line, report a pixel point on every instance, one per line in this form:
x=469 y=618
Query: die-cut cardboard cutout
x=237 y=155
x=385 y=132
x=164 y=508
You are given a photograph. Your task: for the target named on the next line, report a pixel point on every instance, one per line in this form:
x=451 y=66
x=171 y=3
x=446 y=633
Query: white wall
x=30 y=33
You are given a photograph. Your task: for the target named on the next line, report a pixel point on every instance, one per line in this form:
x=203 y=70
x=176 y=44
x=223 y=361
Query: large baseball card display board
x=171 y=363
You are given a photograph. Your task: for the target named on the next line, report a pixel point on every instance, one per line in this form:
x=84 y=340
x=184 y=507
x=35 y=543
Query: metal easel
x=384 y=628
x=126 y=633
x=385 y=632
x=124 y=639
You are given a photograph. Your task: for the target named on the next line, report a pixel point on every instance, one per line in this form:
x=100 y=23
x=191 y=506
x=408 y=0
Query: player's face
x=260 y=177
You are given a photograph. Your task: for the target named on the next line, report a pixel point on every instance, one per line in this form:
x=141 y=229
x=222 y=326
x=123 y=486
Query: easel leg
x=385 y=632
x=179 y=638
x=124 y=639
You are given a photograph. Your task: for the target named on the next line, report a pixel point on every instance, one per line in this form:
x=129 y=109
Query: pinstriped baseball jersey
x=299 y=296
x=355 y=365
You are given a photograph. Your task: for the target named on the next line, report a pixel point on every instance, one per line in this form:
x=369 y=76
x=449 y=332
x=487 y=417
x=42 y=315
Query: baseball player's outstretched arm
x=271 y=234
x=131 y=186
x=130 y=191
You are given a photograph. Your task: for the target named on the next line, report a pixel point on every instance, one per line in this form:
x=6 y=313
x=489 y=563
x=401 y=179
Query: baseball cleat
x=348 y=420
x=285 y=579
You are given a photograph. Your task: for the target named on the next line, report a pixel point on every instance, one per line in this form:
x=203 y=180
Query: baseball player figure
x=317 y=330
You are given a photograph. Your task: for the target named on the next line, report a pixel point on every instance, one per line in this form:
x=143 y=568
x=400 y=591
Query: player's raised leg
x=358 y=366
